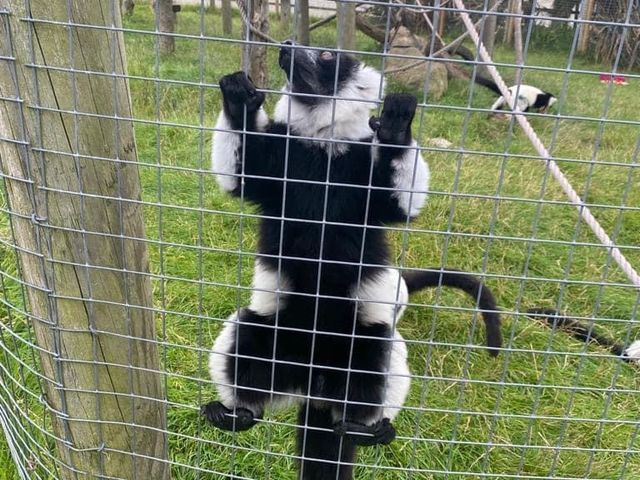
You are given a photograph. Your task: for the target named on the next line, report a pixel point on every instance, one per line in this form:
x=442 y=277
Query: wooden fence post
x=301 y=11
x=346 y=15
x=69 y=161
x=586 y=12
x=227 y=26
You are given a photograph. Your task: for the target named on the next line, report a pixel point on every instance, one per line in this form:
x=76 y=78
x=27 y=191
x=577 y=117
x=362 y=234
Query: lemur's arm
x=400 y=168
x=237 y=157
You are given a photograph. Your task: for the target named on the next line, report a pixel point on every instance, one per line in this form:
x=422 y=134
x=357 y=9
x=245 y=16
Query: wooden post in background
x=78 y=227
x=508 y=25
x=166 y=24
x=585 y=28
x=301 y=10
x=226 y=17
x=254 y=56
x=346 y=16
x=518 y=47
x=285 y=14
x=489 y=28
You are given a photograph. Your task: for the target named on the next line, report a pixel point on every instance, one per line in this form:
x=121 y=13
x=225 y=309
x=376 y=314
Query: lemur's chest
x=322 y=185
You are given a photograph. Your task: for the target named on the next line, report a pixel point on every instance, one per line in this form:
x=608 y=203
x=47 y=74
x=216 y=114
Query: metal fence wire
x=542 y=205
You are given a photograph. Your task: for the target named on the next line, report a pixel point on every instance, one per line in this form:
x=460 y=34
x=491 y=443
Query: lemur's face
x=316 y=72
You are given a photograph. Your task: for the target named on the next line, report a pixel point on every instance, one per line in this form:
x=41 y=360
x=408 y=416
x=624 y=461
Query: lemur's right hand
x=239 y=94
x=393 y=127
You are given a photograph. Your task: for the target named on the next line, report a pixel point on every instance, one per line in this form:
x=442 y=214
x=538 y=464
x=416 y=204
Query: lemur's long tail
x=429 y=278
x=582 y=331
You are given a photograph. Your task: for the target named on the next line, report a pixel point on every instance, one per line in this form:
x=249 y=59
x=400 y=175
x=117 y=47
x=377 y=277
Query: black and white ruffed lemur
x=320 y=327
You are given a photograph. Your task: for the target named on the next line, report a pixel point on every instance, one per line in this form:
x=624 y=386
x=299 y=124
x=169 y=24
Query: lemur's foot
x=394 y=125
x=239 y=93
x=380 y=433
x=235 y=420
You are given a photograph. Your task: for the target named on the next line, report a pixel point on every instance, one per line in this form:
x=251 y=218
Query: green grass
x=476 y=407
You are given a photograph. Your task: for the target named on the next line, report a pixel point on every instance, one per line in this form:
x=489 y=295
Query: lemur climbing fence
x=121 y=259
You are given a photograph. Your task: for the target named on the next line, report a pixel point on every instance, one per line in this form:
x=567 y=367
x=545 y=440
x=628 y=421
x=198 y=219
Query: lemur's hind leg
x=243 y=383
x=397 y=381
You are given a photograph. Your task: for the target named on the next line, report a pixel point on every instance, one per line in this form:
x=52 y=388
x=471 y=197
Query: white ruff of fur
x=411 y=179
x=632 y=352
x=266 y=298
x=388 y=287
x=226 y=151
x=398 y=378
x=349 y=120
x=223 y=347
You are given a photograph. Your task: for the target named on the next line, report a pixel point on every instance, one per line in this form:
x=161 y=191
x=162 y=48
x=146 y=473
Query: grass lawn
x=550 y=407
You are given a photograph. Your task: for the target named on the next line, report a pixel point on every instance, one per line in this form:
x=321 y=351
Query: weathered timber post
x=346 y=15
x=285 y=13
x=301 y=11
x=586 y=12
x=68 y=158
x=227 y=25
x=166 y=25
x=254 y=56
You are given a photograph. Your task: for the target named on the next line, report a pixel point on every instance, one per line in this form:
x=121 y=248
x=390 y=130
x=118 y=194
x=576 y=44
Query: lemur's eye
x=326 y=55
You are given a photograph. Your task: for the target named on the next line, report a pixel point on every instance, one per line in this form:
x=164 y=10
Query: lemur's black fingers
x=238 y=89
x=380 y=433
x=400 y=105
x=236 y=420
x=374 y=123
x=394 y=126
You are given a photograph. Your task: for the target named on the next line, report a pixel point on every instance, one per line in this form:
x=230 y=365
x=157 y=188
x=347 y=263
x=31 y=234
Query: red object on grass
x=617 y=79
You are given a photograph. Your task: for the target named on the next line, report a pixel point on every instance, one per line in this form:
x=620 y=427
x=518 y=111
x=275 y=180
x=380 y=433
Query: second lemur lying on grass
x=321 y=325
x=528 y=97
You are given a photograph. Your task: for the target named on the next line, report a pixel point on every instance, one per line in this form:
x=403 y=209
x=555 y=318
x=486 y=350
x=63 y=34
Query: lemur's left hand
x=393 y=127
x=240 y=94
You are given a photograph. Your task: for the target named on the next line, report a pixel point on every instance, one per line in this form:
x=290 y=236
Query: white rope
x=583 y=210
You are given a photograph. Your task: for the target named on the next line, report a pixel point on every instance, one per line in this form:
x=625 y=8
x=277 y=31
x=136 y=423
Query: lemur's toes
x=237 y=420
x=380 y=433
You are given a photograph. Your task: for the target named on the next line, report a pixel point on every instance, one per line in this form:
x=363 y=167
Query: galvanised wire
x=25 y=413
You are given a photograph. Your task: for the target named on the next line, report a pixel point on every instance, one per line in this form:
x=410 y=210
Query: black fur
x=542 y=101
x=420 y=279
x=490 y=84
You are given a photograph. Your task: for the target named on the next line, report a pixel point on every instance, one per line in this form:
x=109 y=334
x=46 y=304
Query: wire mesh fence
x=124 y=258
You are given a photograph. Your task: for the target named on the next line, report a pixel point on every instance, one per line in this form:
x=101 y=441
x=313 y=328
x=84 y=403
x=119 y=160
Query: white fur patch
x=226 y=150
x=398 y=379
x=388 y=287
x=411 y=178
x=334 y=119
x=633 y=352
x=224 y=347
x=266 y=298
